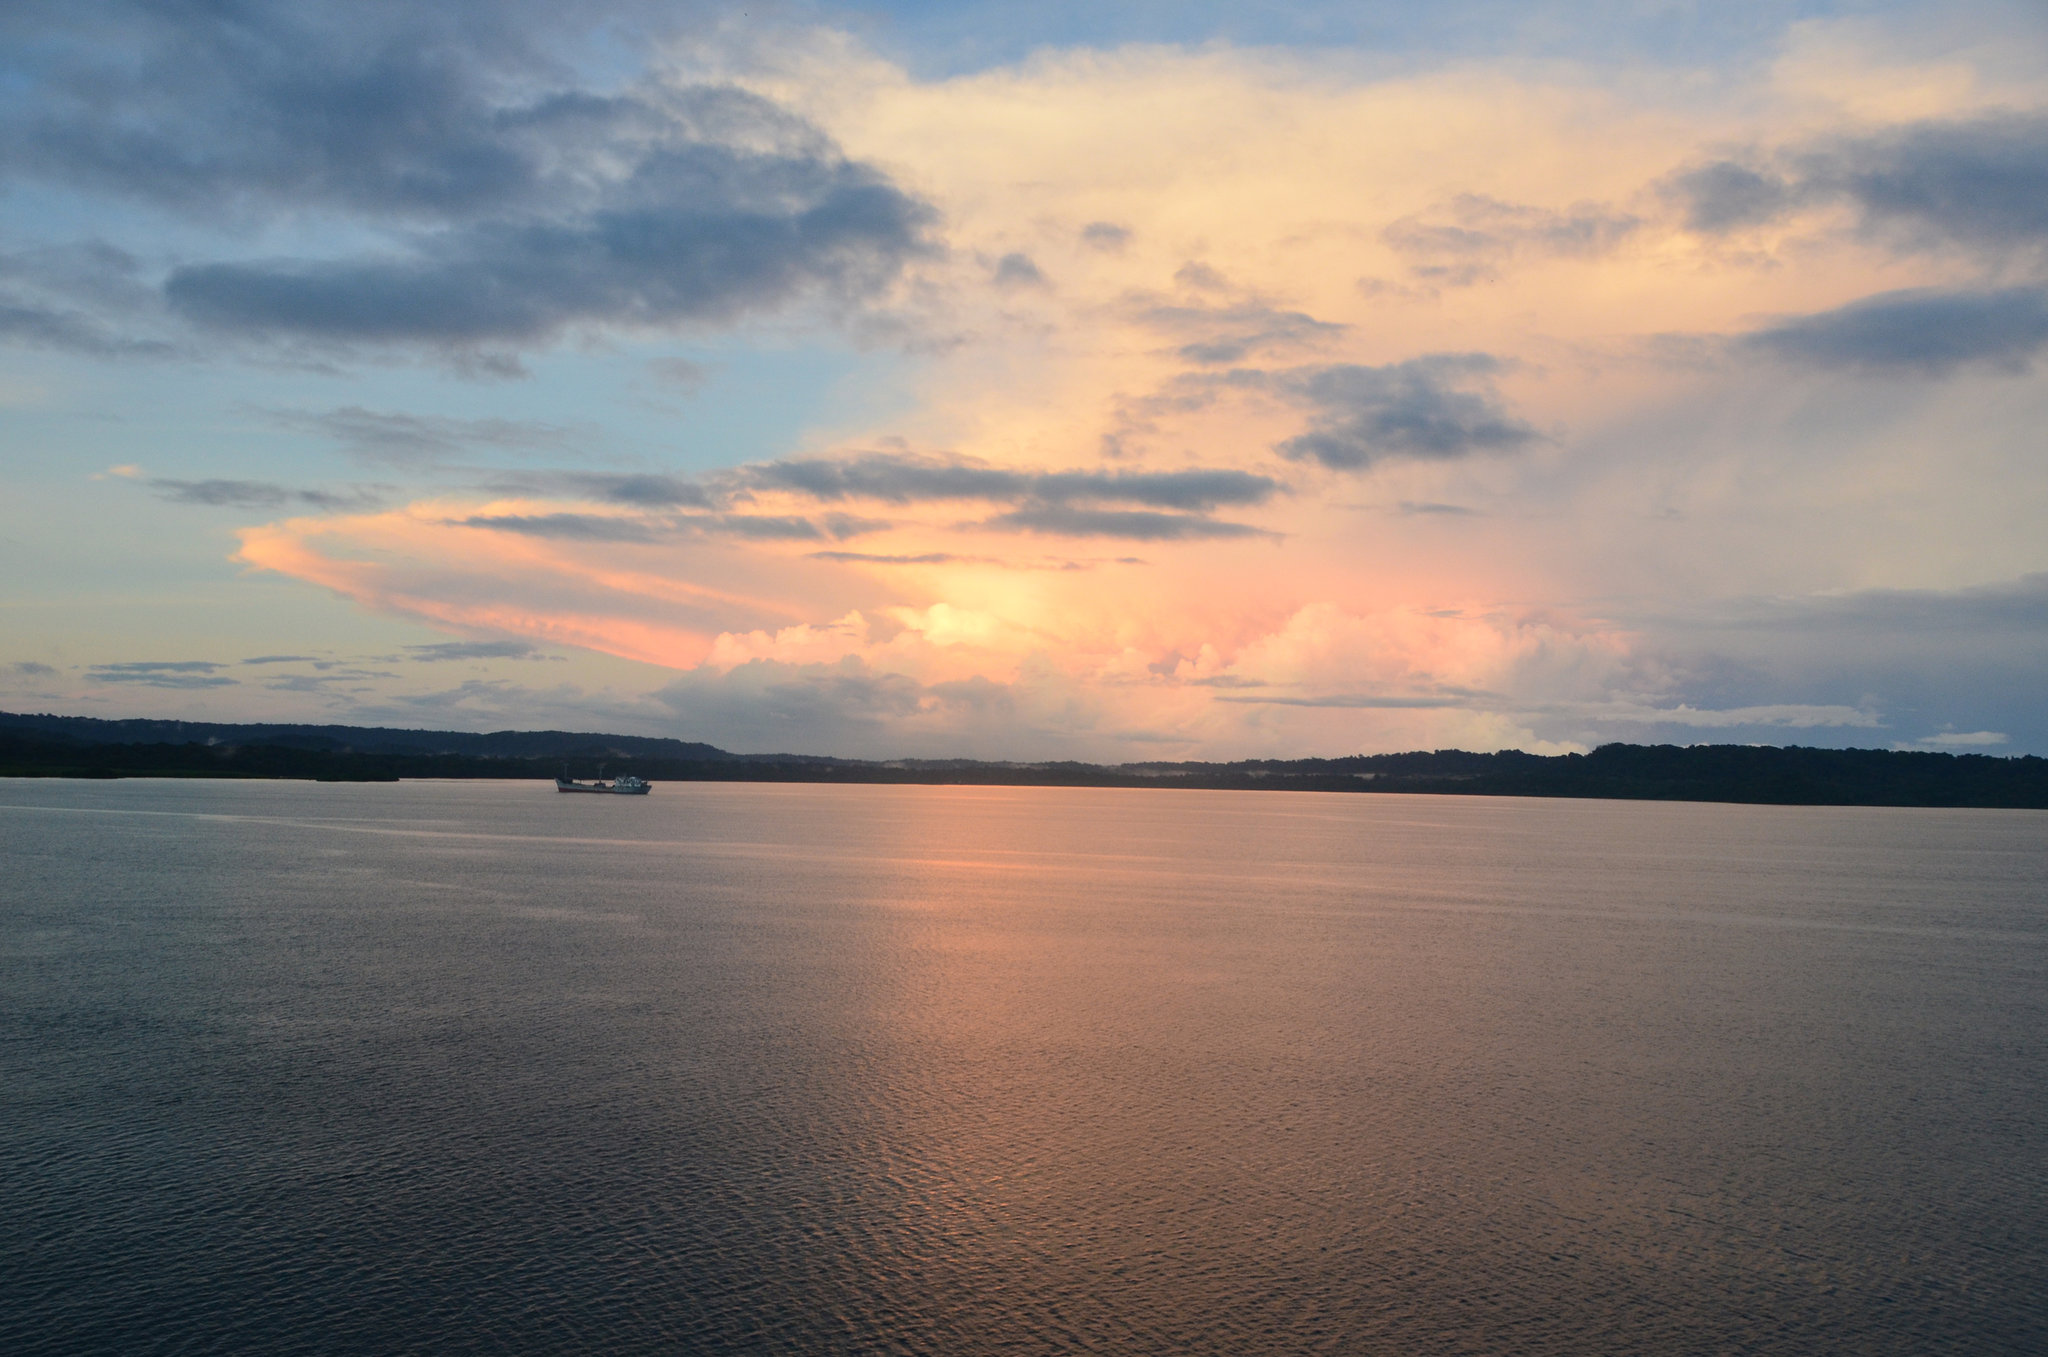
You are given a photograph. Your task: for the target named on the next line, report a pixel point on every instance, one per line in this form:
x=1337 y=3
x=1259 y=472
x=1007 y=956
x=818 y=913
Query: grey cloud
x=1726 y=196
x=1472 y=235
x=1977 y=182
x=282 y=659
x=576 y=527
x=260 y=495
x=1229 y=334
x=1982 y=182
x=441 y=651
x=607 y=528
x=871 y=558
x=705 y=242
x=162 y=673
x=644 y=490
x=417 y=440
x=946 y=558
x=514 y=203
x=1437 y=407
x=1105 y=235
x=76 y=298
x=1412 y=508
x=31 y=669
x=1922 y=332
x=45 y=327
x=1066 y=520
x=902 y=479
x=1017 y=270
x=1422 y=702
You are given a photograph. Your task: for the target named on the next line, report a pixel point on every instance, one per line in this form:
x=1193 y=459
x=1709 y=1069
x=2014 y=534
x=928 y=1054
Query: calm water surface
x=474 y=1067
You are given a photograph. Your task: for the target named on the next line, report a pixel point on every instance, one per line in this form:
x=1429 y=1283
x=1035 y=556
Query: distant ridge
x=502 y=744
x=83 y=746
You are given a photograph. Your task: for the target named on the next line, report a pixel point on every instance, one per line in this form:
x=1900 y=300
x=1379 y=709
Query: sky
x=1141 y=382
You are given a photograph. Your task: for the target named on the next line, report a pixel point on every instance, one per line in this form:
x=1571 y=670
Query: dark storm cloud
x=1922 y=332
x=162 y=673
x=901 y=479
x=260 y=495
x=1977 y=182
x=1432 y=408
x=514 y=201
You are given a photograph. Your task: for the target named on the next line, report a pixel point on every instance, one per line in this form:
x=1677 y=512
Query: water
x=478 y=1068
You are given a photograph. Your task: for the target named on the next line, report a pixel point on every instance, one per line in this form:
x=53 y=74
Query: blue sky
x=1030 y=381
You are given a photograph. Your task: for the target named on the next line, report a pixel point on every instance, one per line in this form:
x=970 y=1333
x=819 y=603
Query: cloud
x=608 y=528
x=260 y=495
x=1978 y=182
x=1431 y=408
x=77 y=298
x=442 y=651
x=904 y=479
x=678 y=255
x=31 y=669
x=1472 y=236
x=282 y=659
x=1229 y=334
x=1017 y=270
x=420 y=440
x=162 y=673
x=578 y=527
x=1136 y=525
x=1725 y=196
x=1961 y=739
x=1797 y=716
x=1924 y=332
x=496 y=200
x=1106 y=236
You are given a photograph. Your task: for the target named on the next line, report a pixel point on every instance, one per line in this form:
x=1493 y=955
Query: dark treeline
x=59 y=746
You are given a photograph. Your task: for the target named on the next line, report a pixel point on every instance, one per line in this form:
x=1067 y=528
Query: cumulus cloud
x=1924 y=332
